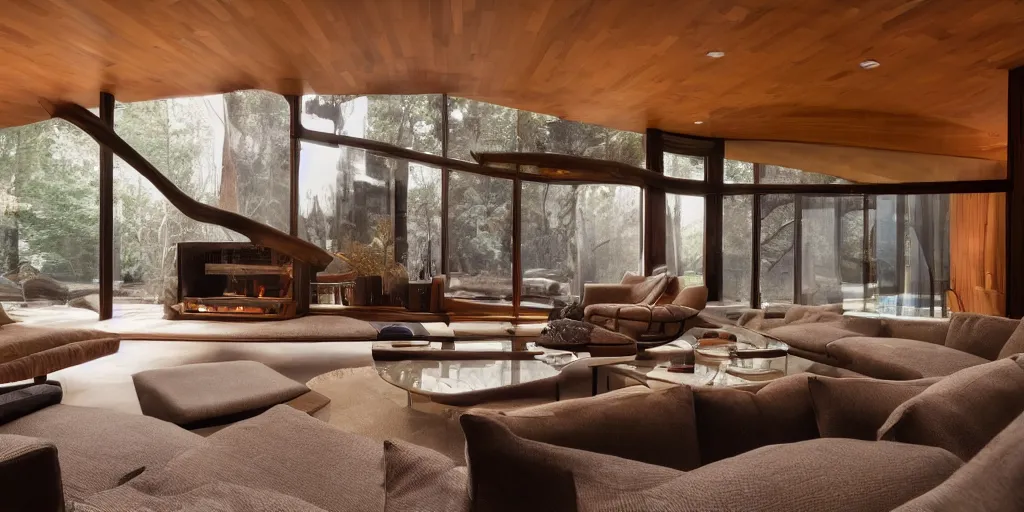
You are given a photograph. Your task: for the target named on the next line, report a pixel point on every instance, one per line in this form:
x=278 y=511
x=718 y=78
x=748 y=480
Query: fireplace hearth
x=238 y=280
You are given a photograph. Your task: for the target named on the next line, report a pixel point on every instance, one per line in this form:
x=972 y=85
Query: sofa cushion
x=218 y=496
x=732 y=421
x=857 y=408
x=991 y=481
x=281 y=450
x=1015 y=344
x=98 y=447
x=962 y=412
x=29 y=475
x=932 y=330
x=812 y=337
x=511 y=473
x=900 y=359
x=827 y=312
x=656 y=427
x=981 y=335
x=28 y=351
x=418 y=478
x=193 y=393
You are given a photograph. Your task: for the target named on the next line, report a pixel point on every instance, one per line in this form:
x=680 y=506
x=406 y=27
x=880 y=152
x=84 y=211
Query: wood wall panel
x=790 y=72
x=977 y=251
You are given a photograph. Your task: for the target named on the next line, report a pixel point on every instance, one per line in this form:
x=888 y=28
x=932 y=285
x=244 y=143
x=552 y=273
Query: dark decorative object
x=574 y=335
x=369 y=291
x=419 y=296
x=573 y=311
x=395 y=332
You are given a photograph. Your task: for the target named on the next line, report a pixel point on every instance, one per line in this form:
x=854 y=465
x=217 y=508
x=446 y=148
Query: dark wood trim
x=880 y=189
x=294 y=122
x=1015 y=196
x=445 y=180
x=901 y=250
x=714 y=175
x=755 y=250
x=798 y=250
x=655 y=214
x=517 y=246
x=866 y=253
x=106 y=274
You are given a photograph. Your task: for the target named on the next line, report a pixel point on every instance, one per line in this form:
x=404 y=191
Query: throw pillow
x=981 y=335
x=856 y=408
x=1014 y=345
x=731 y=421
x=26 y=400
x=418 y=478
x=963 y=411
x=656 y=427
x=990 y=481
x=510 y=473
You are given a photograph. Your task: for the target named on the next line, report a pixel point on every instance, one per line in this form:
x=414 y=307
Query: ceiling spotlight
x=716 y=55
x=870 y=64
x=698 y=122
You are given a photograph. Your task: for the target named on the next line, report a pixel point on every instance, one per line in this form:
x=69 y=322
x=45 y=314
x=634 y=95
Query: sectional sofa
x=890 y=347
x=800 y=443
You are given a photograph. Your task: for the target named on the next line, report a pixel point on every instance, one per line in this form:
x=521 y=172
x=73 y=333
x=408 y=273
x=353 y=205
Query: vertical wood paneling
x=977 y=259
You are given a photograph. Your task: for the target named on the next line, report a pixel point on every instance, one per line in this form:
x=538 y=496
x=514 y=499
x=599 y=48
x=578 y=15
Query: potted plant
x=378 y=275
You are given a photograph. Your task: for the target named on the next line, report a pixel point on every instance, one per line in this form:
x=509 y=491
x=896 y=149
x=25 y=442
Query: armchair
x=653 y=309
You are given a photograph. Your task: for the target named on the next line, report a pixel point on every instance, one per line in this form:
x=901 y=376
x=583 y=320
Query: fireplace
x=238 y=280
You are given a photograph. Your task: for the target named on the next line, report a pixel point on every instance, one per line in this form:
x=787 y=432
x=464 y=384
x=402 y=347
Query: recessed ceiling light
x=716 y=55
x=698 y=122
x=870 y=64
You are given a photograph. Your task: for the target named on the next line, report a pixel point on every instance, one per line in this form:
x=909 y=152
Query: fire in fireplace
x=240 y=280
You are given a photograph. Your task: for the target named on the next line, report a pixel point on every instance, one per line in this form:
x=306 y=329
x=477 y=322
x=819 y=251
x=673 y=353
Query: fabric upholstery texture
x=857 y=408
x=991 y=481
x=813 y=337
x=31 y=351
x=97 y=447
x=981 y=335
x=731 y=421
x=285 y=451
x=813 y=313
x=29 y=475
x=693 y=297
x=1015 y=344
x=511 y=473
x=900 y=359
x=197 y=392
x=20 y=402
x=418 y=478
x=656 y=427
x=962 y=412
x=218 y=496
x=4 y=318
x=932 y=330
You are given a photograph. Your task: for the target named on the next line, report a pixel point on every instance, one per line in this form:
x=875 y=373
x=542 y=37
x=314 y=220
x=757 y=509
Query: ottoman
x=207 y=394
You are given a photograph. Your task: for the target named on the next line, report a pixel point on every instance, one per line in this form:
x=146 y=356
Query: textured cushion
x=418 y=478
x=900 y=359
x=981 y=335
x=196 y=392
x=656 y=427
x=857 y=408
x=693 y=297
x=98 y=447
x=511 y=473
x=285 y=451
x=28 y=399
x=4 y=318
x=932 y=330
x=962 y=412
x=826 y=312
x=812 y=337
x=29 y=475
x=731 y=421
x=217 y=496
x=1014 y=345
x=991 y=481
x=31 y=351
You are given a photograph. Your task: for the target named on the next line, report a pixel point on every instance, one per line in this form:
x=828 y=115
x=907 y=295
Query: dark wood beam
x=294 y=123
x=107 y=255
x=714 y=175
x=1015 y=196
x=655 y=215
x=445 y=180
x=258 y=233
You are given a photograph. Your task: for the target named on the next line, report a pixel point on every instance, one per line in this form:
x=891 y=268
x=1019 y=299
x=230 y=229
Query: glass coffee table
x=749 y=358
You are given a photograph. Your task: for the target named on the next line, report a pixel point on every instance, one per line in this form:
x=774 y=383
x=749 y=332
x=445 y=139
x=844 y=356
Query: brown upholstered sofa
x=890 y=347
x=31 y=352
x=644 y=308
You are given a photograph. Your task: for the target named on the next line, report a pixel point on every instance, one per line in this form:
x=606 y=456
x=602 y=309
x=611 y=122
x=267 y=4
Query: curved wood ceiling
x=790 y=72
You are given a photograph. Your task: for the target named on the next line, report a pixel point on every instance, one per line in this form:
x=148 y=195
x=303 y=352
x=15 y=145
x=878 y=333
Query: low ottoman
x=208 y=394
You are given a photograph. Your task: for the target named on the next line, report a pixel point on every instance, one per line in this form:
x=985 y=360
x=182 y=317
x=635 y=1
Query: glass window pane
x=684 y=251
x=411 y=121
x=573 y=235
x=479 y=126
x=229 y=151
x=683 y=166
x=49 y=229
x=777 y=230
x=785 y=175
x=480 y=238
x=737 y=242
x=737 y=171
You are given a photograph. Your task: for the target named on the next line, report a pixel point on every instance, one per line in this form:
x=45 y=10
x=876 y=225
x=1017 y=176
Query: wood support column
x=107 y=255
x=655 y=215
x=294 y=122
x=1015 y=197
x=714 y=174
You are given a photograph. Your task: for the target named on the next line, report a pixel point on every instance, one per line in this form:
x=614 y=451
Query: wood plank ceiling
x=790 y=72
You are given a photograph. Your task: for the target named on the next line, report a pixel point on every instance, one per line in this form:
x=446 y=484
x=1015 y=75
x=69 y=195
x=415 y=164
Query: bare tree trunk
x=227 y=195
